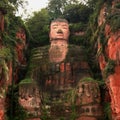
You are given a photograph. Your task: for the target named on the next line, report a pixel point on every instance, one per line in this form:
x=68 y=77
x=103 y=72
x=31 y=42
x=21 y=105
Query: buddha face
x=59 y=31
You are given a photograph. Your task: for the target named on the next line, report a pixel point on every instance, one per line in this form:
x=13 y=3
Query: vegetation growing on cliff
x=8 y=60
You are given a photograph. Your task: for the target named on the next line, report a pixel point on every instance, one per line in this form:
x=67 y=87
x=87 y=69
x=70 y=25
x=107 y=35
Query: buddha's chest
x=62 y=76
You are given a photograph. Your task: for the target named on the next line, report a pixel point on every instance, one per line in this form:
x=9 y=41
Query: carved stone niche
x=30 y=100
x=88 y=101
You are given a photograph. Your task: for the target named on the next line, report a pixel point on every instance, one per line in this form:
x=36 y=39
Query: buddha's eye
x=65 y=28
x=55 y=27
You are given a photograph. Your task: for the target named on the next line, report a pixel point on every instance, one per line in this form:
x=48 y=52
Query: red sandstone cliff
x=7 y=73
x=109 y=58
x=5 y=70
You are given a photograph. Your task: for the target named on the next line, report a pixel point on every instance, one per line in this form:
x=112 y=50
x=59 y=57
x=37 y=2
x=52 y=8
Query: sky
x=33 y=5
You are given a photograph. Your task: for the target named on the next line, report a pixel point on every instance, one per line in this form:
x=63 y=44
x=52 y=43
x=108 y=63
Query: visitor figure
x=55 y=71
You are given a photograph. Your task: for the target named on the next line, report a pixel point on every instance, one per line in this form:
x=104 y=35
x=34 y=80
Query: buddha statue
x=56 y=72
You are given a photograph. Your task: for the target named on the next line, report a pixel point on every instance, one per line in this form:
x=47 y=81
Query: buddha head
x=59 y=30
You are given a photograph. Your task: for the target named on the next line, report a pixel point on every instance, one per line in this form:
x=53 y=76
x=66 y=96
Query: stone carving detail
x=57 y=70
x=30 y=99
x=88 y=100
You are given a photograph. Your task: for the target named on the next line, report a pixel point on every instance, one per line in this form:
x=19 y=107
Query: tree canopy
x=56 y=8
x=39 y=27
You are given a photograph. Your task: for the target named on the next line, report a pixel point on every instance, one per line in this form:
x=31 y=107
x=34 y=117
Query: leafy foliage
x=39 y=27
x=110 y=68
x=114 y=21
x=77 y=40
x=107 y=111
x=56 y=8
x=5 y=53
x=77 y=13
x=26 y=81
x=77 y=27
x=10 y=6
x=117 y=5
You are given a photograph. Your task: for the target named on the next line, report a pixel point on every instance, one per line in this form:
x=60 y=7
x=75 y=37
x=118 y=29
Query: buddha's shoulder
x=39 y=53
x=75 y=49
x=76 y=53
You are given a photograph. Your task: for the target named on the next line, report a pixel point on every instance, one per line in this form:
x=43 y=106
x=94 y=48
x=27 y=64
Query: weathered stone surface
x=5 y=71
x=2 y=109
x=1 y=21
x=21 y=45
x=30 y=99
x=58 y=81
x=88 y=100
x=112 y=53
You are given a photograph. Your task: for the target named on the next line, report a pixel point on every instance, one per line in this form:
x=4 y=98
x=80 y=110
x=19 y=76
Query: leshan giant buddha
x=52 y=84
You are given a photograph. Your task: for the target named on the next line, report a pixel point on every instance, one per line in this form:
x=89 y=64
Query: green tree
x=77 y=13
x=12 y=5
x=11 y=21
x=57 y=7
x=38 y=25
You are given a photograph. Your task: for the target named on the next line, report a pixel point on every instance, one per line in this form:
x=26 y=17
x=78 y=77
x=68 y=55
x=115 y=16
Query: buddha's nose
x=59 y=31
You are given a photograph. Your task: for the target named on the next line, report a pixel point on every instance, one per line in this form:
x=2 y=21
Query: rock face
x=58 y=86
x=5 y=70
x=21 y=47
x=109 y=59
x=7 y=73
x=2 y=20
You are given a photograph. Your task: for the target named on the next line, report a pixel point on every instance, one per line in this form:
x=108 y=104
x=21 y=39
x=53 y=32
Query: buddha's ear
x=50 y=36
x=69 y=32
